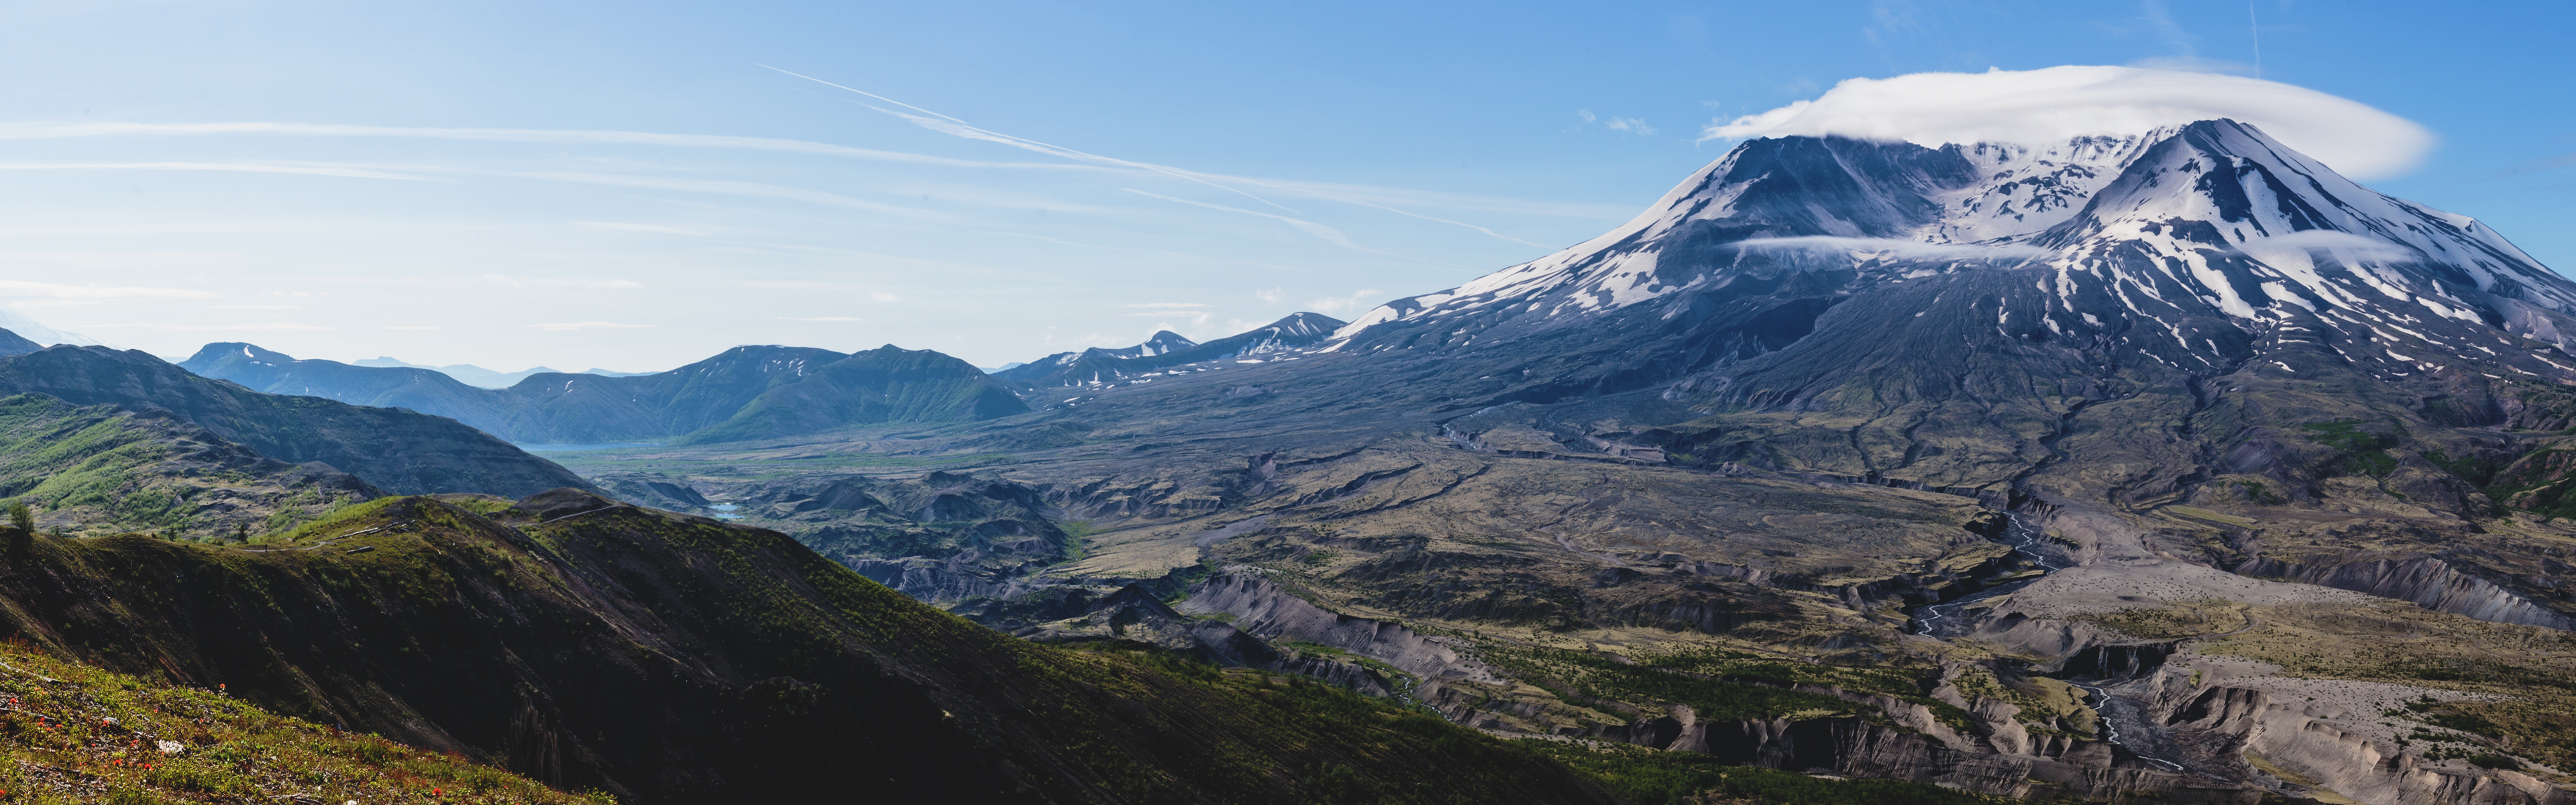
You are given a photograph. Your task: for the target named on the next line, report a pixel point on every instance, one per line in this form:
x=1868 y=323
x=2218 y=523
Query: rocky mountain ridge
x=1166 y=351
x=745 y=392
x=392 y=449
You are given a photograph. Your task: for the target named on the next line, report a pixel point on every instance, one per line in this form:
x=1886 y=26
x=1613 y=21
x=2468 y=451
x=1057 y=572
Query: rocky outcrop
x=2426 y=580
x=939 y=582
x=1924 y=751
x=2315 y=744
x=1259 y=606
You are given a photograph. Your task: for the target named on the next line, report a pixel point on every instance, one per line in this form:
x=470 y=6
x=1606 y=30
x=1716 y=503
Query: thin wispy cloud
x=735 y=188
x=949 y=125
x=407 y=327
x=507 y=281
x=1627 y=125
x=1631 y=125
x=247 y=327
x=650 y=229
x=44 y=131
x=953 y=126
x=1170 y=304
x=1320 y=231
x=255 y=307
x=1346 y=194
x=23 y=289
x=307 y=169
x=586 y=325
x=819 y=318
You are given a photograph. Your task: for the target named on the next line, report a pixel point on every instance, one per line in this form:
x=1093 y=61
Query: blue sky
x=625 y=186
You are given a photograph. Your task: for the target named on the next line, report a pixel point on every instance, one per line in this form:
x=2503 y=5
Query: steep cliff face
x=2426 y=580
x=1261 y=608
x=2305 y=735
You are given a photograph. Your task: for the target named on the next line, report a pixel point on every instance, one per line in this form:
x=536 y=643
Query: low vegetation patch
x=1652 y=777
x=73 y=733
x=1722 y=685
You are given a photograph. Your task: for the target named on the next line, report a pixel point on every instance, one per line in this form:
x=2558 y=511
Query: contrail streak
x=1320 y=231
x=963 y=129
x=1327 y=196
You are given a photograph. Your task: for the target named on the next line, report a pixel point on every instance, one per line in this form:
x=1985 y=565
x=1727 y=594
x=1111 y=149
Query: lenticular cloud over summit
x=2054 y=104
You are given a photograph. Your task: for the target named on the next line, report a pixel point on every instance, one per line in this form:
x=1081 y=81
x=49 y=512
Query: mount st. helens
x=1739 y=438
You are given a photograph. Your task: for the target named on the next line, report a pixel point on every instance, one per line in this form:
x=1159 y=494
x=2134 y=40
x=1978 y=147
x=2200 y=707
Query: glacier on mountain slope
x=2215 y=214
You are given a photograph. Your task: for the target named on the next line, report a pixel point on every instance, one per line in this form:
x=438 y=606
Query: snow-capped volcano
x=2123 y=237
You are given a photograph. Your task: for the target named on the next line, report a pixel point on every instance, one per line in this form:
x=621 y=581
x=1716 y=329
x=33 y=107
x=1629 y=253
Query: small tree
x=22 y=529
x=241 y=532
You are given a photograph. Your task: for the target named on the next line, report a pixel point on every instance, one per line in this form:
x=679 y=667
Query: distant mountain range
x=1168 y=349
x=479 y=377
x=396 y=450
x=744 y=393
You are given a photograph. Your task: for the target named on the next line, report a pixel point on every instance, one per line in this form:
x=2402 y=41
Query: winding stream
x=1936 y=621
x=1940 y=622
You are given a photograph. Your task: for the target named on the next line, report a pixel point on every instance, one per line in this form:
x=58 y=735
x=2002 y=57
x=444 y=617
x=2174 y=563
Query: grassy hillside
x=396 y=450
x=667 y=658
x=883 y=385
x=74 y=733
x=101 y=467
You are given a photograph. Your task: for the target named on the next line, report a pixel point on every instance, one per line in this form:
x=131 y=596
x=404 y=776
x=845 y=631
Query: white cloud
x=584 y=325
x=881 y=296
x=1169 y=304
x=257 y=307
x=1270 y=296
x=1897 y=247
x=2054 y=104
x=820 y=318
x=408 y=327
x=23 y=290
x=1632 y=125
x=507 y=281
